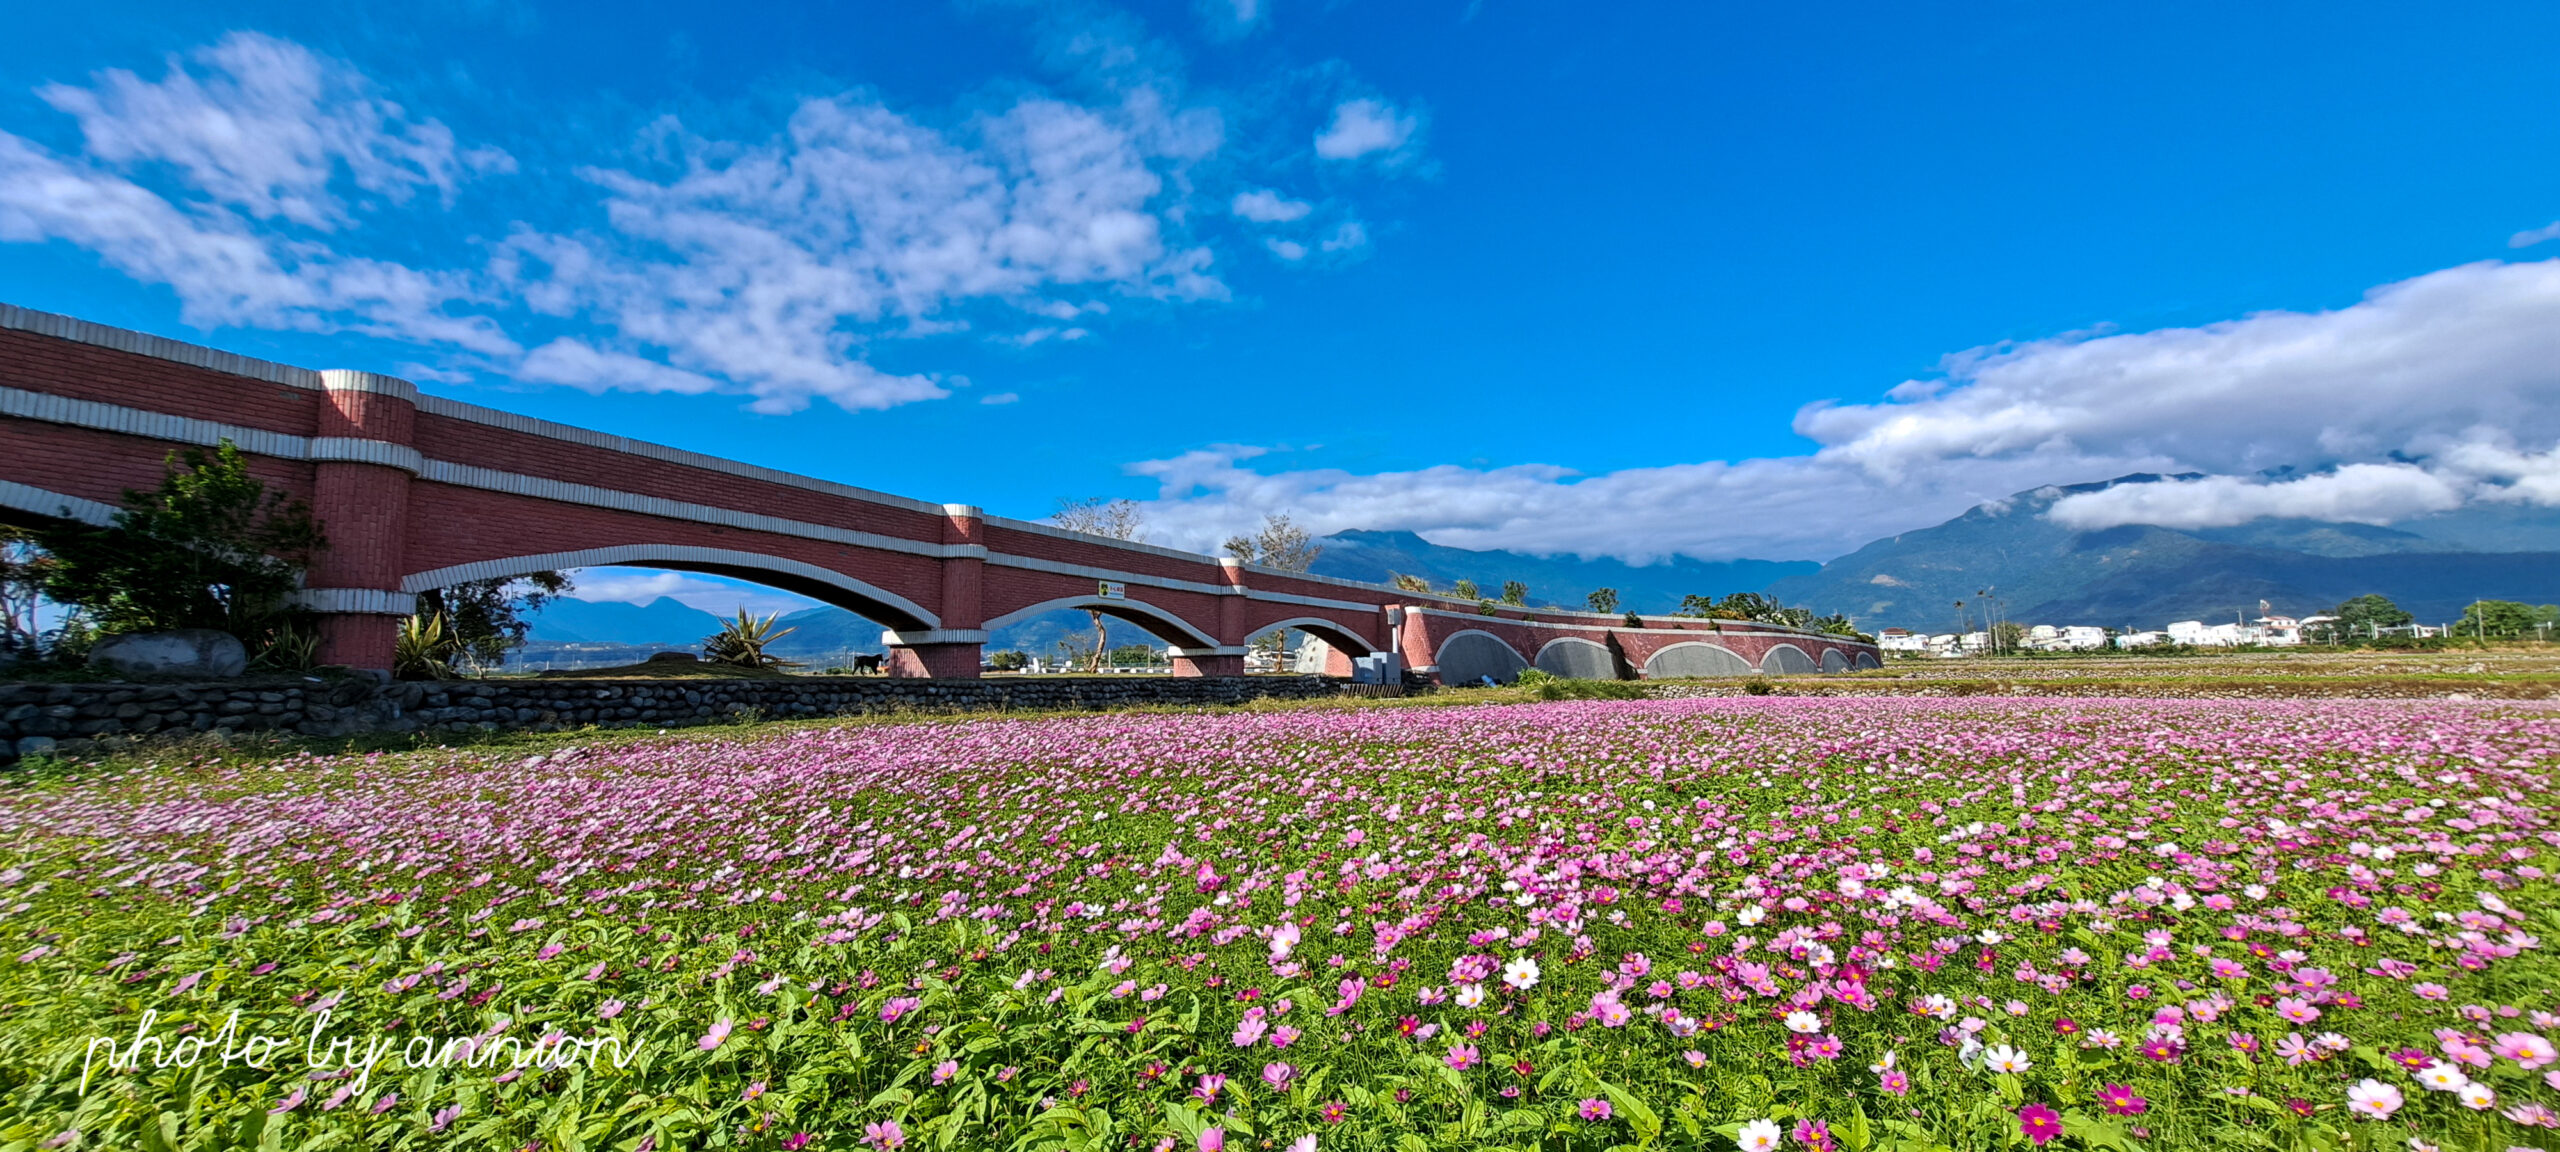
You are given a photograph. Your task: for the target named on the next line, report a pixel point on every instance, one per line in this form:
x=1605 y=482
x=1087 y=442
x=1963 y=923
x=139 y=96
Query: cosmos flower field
x=1756 y=923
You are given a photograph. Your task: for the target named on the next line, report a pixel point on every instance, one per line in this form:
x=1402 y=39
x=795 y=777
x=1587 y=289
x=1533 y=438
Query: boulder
x=188 y=653
x=674 y=658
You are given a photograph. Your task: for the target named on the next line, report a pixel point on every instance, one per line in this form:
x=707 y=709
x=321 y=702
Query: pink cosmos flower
x=1595 y=1109
x=943 y=1072
x=2526 y=1049
x=2120 y=1100
x=886 y=1134
x=718 y=1035
x=1213 y=1140
x=2374 y=1100
x=1277 y=1075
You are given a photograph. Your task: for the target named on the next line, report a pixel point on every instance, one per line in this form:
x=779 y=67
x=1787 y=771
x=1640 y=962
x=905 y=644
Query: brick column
x=950 y=652
x=1227 y=658
x=362 y=462
x=1413 y=638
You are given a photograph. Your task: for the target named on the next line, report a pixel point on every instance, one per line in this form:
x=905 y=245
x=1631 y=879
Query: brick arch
x=1158 y=622
x=822 y=584
x=1341 y=637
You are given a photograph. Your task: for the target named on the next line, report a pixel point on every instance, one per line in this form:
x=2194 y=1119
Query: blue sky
x=1727 y=280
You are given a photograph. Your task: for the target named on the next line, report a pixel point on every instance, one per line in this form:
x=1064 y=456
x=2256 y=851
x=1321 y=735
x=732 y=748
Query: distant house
x=2141 y=639
x=1901 y=640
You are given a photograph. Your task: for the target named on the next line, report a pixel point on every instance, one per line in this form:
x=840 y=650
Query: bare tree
x=1096 y=516
x=1279 y=544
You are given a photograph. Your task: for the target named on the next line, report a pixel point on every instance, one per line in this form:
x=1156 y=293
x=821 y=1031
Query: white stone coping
x=363 y=601
x=896 y=639
x=157 y=347
x=351 y=380
x=29 y=498
x=1223 y=650
x=356 y=450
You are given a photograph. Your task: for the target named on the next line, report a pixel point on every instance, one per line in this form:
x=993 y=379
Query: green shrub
x=1550 y=686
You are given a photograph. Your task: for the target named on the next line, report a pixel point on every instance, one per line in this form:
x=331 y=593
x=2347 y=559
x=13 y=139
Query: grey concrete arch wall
x=1868 y=660
x=1695 y=658
x=1787 y=660
x=1577 y=658
x=1472 y=655
x=1833 y=661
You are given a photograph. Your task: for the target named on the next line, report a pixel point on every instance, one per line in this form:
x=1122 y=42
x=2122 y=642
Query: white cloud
x=2533 y=236
x=261 y=132
x=1364 y=126
x=1000 y=398
x=708 y=593
x=250 y=177
x=1350 y=236
x=1233 y=19
x=1289 y=250
x=2360 y=493
x=266 y=128
x=2449 y=372
x=1264 y=206
x=772 y=265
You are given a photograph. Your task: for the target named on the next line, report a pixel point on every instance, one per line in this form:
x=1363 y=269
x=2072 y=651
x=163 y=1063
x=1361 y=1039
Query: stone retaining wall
x=73 y=719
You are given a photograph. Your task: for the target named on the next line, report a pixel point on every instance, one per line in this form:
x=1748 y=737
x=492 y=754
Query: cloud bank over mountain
x=2427 y=395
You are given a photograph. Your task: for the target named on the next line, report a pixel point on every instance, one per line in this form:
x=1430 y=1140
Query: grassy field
x=1862 y=924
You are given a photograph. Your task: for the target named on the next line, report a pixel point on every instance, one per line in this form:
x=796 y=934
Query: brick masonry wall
x=76 y=719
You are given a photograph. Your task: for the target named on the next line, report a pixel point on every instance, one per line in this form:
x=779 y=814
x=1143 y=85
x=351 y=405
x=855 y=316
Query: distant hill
x=2147 y=576
x=1552 y=580
x=664 y=620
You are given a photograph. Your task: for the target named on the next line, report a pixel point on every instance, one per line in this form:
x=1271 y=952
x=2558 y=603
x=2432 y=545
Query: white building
x=2141 y=639
x=1901 y=640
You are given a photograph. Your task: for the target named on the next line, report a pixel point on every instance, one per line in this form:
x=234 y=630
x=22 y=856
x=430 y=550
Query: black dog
x=868 y=663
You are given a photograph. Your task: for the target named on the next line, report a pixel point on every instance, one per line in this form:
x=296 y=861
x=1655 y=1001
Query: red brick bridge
x=417 y=492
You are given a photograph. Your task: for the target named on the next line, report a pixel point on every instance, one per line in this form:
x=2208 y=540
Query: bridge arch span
x=1341 y=636
x=1157 y=621
x=869 y=600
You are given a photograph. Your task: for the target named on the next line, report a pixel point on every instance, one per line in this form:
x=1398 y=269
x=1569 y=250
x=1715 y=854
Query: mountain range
x=2144 y=576
x=2035 y=571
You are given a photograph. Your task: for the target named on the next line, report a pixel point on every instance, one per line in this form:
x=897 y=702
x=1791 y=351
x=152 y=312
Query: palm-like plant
x=740 y=643
x=424 y=651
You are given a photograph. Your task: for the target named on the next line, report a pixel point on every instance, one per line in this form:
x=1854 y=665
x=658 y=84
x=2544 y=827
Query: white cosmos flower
x=2476 y=1096
x=2443 y=1077
x=1521 y=973
x=1470 y=995
x=1803 y=1022
x=1752 y=914
x=2003 y=1058
x=1759 y=1136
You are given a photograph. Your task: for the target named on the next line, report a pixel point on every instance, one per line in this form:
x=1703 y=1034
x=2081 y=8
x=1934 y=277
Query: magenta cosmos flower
x=2039 y=1123
x=2120 y=1100
x=1596 y=1109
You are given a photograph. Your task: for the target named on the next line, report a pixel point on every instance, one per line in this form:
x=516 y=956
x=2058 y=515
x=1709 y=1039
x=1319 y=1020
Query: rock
x=192 y=653
x=34 y=745
x=674 y=658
